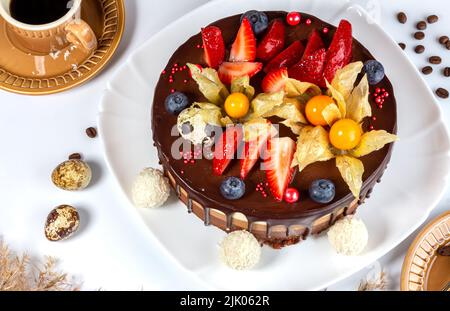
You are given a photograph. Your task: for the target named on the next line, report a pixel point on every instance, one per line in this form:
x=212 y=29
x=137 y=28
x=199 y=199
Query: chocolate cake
x=272 y=221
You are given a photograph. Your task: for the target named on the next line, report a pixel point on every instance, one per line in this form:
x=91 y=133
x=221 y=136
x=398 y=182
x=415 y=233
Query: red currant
x=291 y=195
x=293 y=18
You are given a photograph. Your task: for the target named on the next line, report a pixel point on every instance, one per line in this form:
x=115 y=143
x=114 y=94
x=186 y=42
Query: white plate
x=411 y=187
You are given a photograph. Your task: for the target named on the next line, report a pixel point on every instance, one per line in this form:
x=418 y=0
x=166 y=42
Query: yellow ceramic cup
x=51 y=37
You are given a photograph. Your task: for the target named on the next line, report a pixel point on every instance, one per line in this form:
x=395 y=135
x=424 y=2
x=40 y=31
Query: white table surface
x=109 y=251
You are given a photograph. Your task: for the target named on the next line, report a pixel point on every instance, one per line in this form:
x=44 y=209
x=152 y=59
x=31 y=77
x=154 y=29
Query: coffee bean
x=447 y=45
x=75 y=156
x=419 y=35
x=446 y=71
x=402 y=45
x=91 y=132
x=419 y=49
x=435 y=60
x=443 y=40
x=432 y=19
x=402 y=17
x=427 y=70
x=421 y=25
x=442 y=93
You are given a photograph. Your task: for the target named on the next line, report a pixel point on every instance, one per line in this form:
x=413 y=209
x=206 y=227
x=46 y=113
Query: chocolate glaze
x=203 y=187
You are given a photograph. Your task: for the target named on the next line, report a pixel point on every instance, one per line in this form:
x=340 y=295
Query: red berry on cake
x=275 y=81
x=214 y=46
x=292 y=195
x=278 y=165
x=339 y=53
x=226 y=148
x=273 y=41
x=315 y=43
x=310 y=69
x=244 y=46
x=293 y=18
x=229 y=71
x=287 y=58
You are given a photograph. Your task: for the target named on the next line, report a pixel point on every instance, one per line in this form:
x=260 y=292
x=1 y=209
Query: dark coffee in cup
x=39 y=12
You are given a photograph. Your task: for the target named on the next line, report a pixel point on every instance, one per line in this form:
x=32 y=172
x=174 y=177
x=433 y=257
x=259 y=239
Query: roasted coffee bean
x=432 y=19
x=443 y=40
x=91 y=132
x=446 y=71
x=419 y=35
x=419 y=49
x=442 y=93
x=427 y=70
x=435 y=60
x=402 y=45
x=448 y=45
x=421 y=25
x=402 y=17
x=75 y=156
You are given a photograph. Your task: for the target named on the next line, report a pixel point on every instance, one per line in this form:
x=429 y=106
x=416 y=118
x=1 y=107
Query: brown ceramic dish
x=275 y=223
x=23 y=73
x=423 y=268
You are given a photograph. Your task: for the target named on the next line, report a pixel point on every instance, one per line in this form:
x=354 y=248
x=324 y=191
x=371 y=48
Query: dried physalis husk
x=196 y=118
x=358 y=106
x=242 y=85
x=345 y=78
x=339 y=98
x=373 y=141
x=209 y=84
x=331 y=114
x=72 y=175
x=256 y=128
x=351 y=170
x=313 y=146
x=61 y=223
x=289 y=110
x=264 y=103
x=301 y=90
x=295 y=127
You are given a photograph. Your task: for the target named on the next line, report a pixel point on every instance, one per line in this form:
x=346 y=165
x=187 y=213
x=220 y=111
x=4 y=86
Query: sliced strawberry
x=310 y=69
x=225 y=148
x=339 y=53
x=290 y=56
x=229 y=71
x=278 y=165
x=244 y=46
x=252 y=150
x=213 y=45
x=275 y=80
x=273 y=41
x=314 y=43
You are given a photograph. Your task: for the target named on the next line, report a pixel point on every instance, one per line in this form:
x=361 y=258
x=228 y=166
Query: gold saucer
x=24 y=73
x=423 y=269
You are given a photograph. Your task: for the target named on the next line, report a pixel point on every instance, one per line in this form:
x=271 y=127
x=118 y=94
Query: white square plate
x=411 y=187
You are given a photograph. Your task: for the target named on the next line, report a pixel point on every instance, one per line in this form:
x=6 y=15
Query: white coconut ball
x=240 y=250
x=348 y=236
x=150 y=189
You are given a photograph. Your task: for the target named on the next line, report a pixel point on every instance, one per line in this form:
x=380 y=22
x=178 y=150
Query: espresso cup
x=49 y=38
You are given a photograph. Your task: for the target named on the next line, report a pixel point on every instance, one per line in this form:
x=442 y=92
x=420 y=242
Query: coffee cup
x=50 y=37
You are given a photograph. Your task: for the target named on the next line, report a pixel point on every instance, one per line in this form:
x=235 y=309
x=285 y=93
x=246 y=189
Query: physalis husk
x=351 y=170
x=373 y=141
x=209 y=84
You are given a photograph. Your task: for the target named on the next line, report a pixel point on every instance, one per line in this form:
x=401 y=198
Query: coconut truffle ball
x=150 y=189
x=348 y=236
x=240 y=250
x=72 y=175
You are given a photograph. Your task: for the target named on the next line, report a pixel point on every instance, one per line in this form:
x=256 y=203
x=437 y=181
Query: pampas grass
x=20 y=273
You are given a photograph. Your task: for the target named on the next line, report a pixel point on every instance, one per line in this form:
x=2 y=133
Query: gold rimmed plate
x=423 y=268
x=24 y=73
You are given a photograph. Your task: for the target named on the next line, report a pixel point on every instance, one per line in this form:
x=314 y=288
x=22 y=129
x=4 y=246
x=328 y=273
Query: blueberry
x=232 y=188
x=374 y=70
x=259 y=21
x=176 y=102
x=322 y=191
